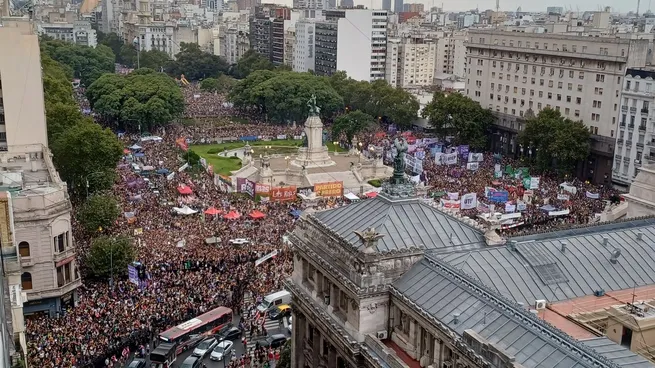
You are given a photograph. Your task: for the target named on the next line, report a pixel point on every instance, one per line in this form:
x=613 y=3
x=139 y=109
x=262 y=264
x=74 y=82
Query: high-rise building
x=451 y=54
x=410 y=62
x=414 y=7
x=397 y=6
x=354 y=41
x=386 y=5
x=40 y=203
x=515 y=73
x=304 y=53
x=555 y=10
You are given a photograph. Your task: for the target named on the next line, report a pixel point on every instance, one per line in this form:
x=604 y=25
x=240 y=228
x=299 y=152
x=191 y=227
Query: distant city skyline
x=511 y=5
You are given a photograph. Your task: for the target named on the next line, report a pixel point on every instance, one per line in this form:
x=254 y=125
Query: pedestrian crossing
x=272 y=327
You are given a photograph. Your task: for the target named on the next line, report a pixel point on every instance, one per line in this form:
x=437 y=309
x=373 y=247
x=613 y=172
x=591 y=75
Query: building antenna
x=498 y=5
x=638 y=3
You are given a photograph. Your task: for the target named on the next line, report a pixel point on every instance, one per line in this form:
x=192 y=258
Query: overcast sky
x=511 y=5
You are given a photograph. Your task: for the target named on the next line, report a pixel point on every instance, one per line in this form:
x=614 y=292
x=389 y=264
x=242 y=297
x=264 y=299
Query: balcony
x=644 y=111
x=622 y=125
x=633 y=110
x=640 y=145
x=631 y=126
x=624 y=108
x=628 y=143
x=54 y=292
x=619 y=141
x=69 y=252
x=642 y=127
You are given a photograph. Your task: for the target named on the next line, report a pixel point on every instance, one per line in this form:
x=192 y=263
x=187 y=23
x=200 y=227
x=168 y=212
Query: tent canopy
x=232 y=215
x=184 y=210
x=183 y=189
x=257 y=214
x=135 y=147
x=351 y=196
x=372 y=194
x=212 y=211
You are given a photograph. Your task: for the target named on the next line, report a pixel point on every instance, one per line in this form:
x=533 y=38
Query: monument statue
x=369 y=239
x=399 y=161
x=314 y=110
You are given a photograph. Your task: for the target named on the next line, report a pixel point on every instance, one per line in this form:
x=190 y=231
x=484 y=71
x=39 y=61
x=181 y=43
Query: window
x=578 y=100
x=26 y=281
x=568 y=98
x=559 y=85
x=627 y=84
x=571 y=74
x=567 y=111
x=579 y=87
x=570 y=86
x=577 y=113
x=559 y=97
x=550 y=95
x=600 y=78
x=24 y=249
x=581 y=75
x=61 y=242
x=598 y=91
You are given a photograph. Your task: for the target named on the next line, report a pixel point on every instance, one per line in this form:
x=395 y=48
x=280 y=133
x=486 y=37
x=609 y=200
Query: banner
x=469 y=201
x=183 y=167
x=499 y=196
x=509 y=208
x=306 y=191
x=248 y=138
x=563 y=197
x=509 y=170
x=282 y=136
x=498 y=171
x=453 y=196
x=281 y=194
x=420 y=154
x=262 y=189
x=414 y=164
x=521 y=206
x=248 y=187
x=476 y=157
x=463 y=151
x=133 y=274
x=593 y=195
x=331 y=189
x=534 y=182
x=181 y=142
x=559 y=213
x=473 y=166
x=450 y=159
x=569 y=188
x=170 y=176
x=439 y=158
x=240 y=184
x=266 y=258
x=449 y=203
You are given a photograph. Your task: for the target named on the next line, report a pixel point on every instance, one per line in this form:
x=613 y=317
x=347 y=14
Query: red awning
x=183 y=189
x=232 y=215
x=372 y=194
x=257 y=215
x=212 y=211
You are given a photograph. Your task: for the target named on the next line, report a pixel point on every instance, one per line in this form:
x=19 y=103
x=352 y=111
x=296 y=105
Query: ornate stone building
x=375 y=284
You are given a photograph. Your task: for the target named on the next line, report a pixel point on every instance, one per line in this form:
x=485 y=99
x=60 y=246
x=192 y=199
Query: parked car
x=222 y=350
x=137 y=363
x=273 y=341
x=279 y=311
x=205 y=347
x=231 y=333
x=191 y=362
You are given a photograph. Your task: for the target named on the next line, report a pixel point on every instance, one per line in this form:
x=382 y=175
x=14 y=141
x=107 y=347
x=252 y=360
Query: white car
x=221 y=350
x=239 y=241
x=204 y=347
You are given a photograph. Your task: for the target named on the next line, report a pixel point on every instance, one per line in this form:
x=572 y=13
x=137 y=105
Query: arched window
x=24 y=249
x=26 y=281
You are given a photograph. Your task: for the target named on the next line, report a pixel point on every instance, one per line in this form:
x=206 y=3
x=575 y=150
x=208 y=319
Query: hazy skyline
x=510 y=5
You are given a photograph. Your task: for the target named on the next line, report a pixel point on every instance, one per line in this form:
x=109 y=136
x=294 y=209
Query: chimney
x=616 y=253
x=640 y=235
x=455 y=318
x=563 y=245
x=606 y=240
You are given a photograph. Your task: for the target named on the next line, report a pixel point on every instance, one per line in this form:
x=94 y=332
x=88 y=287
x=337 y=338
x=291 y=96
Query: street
x=273 y=327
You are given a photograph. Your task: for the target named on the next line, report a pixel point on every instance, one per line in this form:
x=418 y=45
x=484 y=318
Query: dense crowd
x=203 y=104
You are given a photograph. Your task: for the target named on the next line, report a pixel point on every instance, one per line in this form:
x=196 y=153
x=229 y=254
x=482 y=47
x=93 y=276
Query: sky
x=512 y=5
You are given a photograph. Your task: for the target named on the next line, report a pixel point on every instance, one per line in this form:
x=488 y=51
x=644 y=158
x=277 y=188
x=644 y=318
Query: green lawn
x=224 y=165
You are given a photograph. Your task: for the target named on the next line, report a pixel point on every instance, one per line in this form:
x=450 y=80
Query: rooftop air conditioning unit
x=539 y=304
x=381 y=335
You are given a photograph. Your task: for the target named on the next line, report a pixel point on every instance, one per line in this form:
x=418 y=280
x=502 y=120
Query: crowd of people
x=203 y=104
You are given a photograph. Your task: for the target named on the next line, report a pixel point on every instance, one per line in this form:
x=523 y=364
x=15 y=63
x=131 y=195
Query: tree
x=283 y=96
x=221 y=84
x=127 y=55
x=56 y=82
x=154 y=59
x=558 y=143
x=196 y=64
x=142 y=100
x=352 y=124
x=285 y=356
x=87 y=63
x=113 y=41
x=109 y=256
x=191 y=158
x=84 y=150
x=60 y=117
x=250 y=61
x=98 y=212
x=453 y=114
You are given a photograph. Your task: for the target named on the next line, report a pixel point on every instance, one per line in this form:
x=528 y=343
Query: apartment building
x=410 y=62
x=354 y=41
x=289 y=46
x=261 y=30
x=304 y=53
x=414 y=7
x=277 y=41
x=579 y=76
x=78 y=32
x=451 y=54
x=635 y=140
x=39 y=198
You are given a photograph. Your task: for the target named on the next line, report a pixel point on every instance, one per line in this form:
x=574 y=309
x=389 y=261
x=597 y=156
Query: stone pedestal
x=315 y=154
x=641 y=199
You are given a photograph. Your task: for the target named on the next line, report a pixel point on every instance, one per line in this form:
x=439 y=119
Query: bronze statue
x=369 y=238
x=314 y=110
x=399 y=163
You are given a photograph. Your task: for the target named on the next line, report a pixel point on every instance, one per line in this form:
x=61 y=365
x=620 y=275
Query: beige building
x=513 y=73
x=451 y=54
x=410 y=62
x=289 y=46
x=41 y=206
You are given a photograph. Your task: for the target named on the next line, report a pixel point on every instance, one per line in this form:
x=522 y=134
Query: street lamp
x=137 y=44
x=86 y=179
x=335 y=146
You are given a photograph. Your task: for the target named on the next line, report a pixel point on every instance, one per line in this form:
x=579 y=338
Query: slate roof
x=617 y=353
x=404 y=223
x=431 y=285
x=538 y=269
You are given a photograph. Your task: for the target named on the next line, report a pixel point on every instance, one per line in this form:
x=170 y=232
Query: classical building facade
x=387 y=282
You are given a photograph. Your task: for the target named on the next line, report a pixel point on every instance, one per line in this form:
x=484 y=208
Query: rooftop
x=405 y=223
x=538 y=268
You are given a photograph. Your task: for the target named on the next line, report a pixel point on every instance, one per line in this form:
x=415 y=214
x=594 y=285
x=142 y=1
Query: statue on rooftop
x=369 y=239
x=314 y=110
x=399 y=163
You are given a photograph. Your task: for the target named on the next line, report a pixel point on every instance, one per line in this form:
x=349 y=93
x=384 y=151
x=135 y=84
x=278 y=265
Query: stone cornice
x=517 y=313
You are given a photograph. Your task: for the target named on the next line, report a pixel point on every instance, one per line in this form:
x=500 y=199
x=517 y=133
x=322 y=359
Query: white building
x=410 y=62
x=451 y=54
x=304 y=52
x=360 y=37
x=635 y=141
x=78 y=32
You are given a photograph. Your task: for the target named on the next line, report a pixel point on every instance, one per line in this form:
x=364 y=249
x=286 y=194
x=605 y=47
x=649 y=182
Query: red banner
x=331 y=189
x=283 y=194
x=181 y=142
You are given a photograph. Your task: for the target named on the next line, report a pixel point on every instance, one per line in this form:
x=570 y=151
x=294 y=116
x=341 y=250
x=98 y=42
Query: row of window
x=554 y=46
x=60 y=245
x=64 y=276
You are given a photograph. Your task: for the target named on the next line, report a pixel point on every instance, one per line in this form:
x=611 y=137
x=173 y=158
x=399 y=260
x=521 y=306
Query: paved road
x=273 y=327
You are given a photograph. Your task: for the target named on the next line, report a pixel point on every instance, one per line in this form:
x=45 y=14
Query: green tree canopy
x=110 y=256
x=378 y=99
x=558 y=143
x=113 y=41
x=351 y=124
x=60 y=117
x=87 y=63
x=56 y=82
x=142 y=100
x=250 y=61
x=85 y=150
x=283 y=96
x=453 y=114
x=99 y=211
x=221 y=84
x=196 y=64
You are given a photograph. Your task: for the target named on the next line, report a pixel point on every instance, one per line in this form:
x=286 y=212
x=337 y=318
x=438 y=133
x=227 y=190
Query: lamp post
x=335 y=146
x=137 y=44
x=86 y=179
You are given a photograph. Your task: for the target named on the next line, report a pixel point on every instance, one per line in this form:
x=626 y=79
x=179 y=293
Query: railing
x=624 y=108
x=633 y=109
x=644 y=111
x=642 y=127
x=619 y=141
x=631 y=126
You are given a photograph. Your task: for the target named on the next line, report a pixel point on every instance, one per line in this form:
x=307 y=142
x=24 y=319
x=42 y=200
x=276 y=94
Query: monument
x=313 y=153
